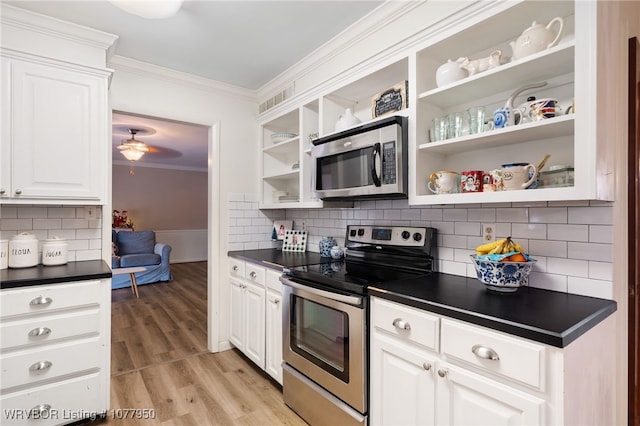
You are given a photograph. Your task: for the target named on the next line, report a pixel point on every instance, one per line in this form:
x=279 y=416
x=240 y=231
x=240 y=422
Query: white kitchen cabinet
x=55 y=352
x=286 y=164
x=465 y=374
x=247 y=310
x=55 y=131
x=256 y=314
x=273 y=323
x=571 y=69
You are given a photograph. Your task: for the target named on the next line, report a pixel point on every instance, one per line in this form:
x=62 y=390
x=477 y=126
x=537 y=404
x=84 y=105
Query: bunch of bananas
x=502 y=246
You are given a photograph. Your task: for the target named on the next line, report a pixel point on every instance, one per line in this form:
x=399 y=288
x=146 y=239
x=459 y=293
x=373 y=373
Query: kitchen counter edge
x=43 y=275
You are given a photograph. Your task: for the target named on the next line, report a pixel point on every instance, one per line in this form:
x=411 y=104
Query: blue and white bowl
x=503 y=276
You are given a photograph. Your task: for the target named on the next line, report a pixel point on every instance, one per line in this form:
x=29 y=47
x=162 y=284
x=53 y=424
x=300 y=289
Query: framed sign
x=391 y=100
x=279 y=228
x=294 y=240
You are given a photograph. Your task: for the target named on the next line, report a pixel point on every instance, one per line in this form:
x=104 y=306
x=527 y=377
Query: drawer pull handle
x=40 y=411
x=40 y=366
x=426 y=366
x=41 y=301
x=252 y=275
x=235 y=268
x=401 y=324
x=40 y=331
x=443 y=373
x=485 y=352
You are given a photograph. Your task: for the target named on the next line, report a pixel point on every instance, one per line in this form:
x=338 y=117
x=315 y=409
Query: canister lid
x=24 y=236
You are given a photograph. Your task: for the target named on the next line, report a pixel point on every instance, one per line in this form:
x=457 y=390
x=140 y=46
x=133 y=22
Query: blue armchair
x=139 y=248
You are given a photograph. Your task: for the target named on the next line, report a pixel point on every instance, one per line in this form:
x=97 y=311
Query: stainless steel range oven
x=325 y=320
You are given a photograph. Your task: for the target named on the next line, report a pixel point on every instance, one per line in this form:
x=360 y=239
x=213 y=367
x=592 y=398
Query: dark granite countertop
x=277 y=259
x=545 y=316
x=40 y=275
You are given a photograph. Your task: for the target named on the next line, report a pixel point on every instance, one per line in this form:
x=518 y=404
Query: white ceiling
x=242 y=43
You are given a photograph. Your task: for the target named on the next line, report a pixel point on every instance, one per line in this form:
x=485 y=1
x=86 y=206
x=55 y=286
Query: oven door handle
x=351 y=300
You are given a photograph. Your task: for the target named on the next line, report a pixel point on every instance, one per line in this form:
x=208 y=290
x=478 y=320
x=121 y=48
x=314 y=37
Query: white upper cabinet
x=570 y=68
x=54 y=132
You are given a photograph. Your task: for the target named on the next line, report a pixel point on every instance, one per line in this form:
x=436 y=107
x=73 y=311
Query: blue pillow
x=136 y=242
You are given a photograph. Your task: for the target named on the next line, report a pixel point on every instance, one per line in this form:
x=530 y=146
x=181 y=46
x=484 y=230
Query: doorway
x=182 y=165
x=634 y=231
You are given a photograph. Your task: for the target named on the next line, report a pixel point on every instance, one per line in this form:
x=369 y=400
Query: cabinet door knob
x=40 y=411
x=2 y=191
x=235 y=268
x=253 y=275
x=40 y=366
x=41 y=301
x=485 y=352
x=40 y=331
x=443 y=372
x=276 y=301
x=18 y=191
x=401 y=324
x=426 y=366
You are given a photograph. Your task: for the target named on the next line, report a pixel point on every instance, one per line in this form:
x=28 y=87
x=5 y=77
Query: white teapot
x=347 y=120
x=537 y=38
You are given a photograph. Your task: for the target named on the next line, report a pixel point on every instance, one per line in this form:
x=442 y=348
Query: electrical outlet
x=488 y=232
x=90 y=212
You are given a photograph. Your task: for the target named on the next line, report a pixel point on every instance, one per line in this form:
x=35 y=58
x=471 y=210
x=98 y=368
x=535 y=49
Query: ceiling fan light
x=132 y=154
x=149 y=9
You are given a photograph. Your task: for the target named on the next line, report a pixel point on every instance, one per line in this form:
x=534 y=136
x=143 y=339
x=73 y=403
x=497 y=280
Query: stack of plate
x=280 y=137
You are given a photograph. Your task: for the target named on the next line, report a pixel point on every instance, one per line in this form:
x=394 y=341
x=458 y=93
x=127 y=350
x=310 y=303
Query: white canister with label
x=54 y=252
x=23 y=251
x=4 y=254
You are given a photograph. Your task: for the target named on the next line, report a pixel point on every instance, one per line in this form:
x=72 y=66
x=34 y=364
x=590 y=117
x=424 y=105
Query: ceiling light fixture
x=133 y=149
x=149 y=9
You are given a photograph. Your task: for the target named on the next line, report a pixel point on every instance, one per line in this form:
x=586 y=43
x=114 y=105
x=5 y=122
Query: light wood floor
x=160 y=362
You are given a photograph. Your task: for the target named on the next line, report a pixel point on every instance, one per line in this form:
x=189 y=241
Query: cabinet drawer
x=255 y=274
x=236 y=268
x=65 y=402
x=48 y=328
x=517 y=359
x=406 y=322
x=48 y=298
x=273 y=280
x=49 y=362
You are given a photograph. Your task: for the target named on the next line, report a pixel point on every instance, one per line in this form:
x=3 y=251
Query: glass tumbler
x=456 y=123
x=476 y=119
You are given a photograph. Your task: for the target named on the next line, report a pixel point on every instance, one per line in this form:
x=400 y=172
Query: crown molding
x=53 y=27
x=387 y=12
x=145 y=69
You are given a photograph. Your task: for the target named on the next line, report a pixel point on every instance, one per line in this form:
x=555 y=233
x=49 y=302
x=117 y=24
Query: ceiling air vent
x=276 y=99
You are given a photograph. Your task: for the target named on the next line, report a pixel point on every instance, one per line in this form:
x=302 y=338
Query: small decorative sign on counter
x=294 y=240
x=391 y=100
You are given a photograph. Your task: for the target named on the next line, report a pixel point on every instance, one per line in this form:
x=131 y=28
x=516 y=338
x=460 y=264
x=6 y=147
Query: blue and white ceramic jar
x=325 y=246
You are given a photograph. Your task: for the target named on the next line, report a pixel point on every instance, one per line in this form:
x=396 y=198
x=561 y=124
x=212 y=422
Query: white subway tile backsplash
x=569 y=240
x=568 y=232
x=529 y=230
x=592 y=288
x=571 y=267
x=61 y=212
x=47 y=223
x=33 y=212
x=7 y=212
x=591 y=251
x=548 y=215
x=601 y=234
x=520 y=214
x=74 y=223
x=548 y=248
x=591 y=215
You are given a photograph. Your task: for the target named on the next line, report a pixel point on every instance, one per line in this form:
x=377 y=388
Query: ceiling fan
x=133 y=149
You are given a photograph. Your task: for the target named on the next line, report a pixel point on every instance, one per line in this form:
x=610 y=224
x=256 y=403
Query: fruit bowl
x=502 y=276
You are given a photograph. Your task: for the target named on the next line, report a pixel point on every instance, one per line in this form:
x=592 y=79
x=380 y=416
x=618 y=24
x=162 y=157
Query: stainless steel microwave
x=368 y=161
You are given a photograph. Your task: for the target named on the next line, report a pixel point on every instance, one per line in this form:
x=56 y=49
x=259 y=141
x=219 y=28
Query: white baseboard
x=187 y=245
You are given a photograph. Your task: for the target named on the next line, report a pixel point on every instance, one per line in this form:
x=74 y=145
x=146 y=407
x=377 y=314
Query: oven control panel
x=388 y=235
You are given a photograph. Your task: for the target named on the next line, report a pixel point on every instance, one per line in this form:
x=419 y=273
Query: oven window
x=346 y=170
x=320 y=335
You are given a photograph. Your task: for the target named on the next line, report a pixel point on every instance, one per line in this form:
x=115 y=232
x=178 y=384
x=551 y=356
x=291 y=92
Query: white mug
x=517 y=175
x=443 y=182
